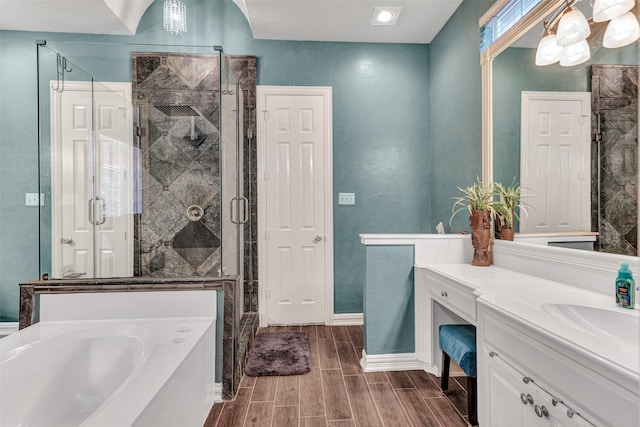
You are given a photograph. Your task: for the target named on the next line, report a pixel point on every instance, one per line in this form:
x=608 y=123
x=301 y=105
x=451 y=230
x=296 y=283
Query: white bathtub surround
x=109 y=372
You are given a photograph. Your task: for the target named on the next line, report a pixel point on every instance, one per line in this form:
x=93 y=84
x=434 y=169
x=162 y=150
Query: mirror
x=610 y=199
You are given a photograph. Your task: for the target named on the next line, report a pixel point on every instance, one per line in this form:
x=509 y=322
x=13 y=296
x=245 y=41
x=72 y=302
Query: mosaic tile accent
x=615 y=100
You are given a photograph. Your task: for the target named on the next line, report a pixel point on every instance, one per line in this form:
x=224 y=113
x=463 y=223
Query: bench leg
x=444 y=379
x=472 y=400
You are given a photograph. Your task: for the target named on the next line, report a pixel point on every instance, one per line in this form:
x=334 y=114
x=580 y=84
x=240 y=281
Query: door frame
x=326 y=93
x=123 y=88
x=585 y=99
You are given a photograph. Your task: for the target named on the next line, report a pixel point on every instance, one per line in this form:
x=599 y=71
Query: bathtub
x=112 y=373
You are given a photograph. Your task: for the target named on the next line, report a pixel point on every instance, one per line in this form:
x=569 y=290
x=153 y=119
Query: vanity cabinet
x=515 y=400
x=525 y=379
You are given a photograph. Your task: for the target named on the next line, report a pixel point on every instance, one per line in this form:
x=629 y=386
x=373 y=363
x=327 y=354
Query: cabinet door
x=510 y=401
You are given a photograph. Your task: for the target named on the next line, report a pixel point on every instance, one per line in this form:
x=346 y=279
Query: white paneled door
x=91 y=183
x=555 y=161
x=296 y=202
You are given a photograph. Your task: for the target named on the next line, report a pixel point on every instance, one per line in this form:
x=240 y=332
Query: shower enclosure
x=145 y=164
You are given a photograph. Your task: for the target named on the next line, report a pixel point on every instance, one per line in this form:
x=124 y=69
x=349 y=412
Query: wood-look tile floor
x=337 y=393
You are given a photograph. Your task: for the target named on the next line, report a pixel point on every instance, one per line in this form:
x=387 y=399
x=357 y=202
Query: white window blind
x=506 y=18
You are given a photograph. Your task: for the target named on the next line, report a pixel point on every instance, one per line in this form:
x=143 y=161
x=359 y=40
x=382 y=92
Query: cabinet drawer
x=461 y=301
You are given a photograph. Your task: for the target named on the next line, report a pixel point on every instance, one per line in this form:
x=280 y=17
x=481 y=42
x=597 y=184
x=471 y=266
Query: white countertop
x=410 y=239
x=523 y=297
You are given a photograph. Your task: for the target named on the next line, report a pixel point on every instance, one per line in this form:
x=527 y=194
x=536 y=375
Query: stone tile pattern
x=180 y=164
x=615 y=99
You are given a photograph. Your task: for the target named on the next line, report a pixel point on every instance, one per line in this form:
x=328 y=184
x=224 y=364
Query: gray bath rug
x=279 y=353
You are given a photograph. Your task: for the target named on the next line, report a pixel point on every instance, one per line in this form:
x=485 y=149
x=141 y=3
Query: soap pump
x=625 y=287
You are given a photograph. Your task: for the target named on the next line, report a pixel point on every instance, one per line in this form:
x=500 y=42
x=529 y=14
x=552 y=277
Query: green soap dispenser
x=625 y=287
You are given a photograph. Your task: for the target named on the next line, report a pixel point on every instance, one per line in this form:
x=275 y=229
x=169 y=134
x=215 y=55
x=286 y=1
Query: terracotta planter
x=503 y=231
x=481 y=238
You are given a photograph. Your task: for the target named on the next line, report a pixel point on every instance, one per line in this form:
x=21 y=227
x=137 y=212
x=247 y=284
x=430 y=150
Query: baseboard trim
x=344 y=319
x=390 y=362
x=8 y=328
x=217 y=392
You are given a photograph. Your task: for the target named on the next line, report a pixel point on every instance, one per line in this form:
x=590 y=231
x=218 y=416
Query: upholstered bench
x=458 y=342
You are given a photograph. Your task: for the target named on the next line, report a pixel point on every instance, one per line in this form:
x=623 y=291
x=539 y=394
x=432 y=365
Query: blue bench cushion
x=459 y=342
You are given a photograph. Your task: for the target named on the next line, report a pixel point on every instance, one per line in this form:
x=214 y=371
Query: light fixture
x=605 y=10
x=572 y=28
x=174 y=18
x=548 y=50
x=621 y=31
x=575 y=54
x=385 y=15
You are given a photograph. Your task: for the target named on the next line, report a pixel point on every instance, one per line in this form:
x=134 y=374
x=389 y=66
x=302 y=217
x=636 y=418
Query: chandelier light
x=621 y=31
x=548 y=50
x=174 y=18
x=605 y=10
x=575 y=54
x=572 y=28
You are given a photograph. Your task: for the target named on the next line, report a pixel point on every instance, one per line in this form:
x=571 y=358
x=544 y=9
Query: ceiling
x=317 y=20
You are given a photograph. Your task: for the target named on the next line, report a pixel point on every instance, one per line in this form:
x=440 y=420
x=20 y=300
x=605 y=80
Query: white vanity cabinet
x=525 y=379
x=513 y=399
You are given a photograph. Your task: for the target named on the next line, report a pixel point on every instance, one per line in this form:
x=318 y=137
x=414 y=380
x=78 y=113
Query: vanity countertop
x=534 y=302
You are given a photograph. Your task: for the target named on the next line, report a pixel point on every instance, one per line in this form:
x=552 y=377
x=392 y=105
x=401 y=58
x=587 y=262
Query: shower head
x=178 y=110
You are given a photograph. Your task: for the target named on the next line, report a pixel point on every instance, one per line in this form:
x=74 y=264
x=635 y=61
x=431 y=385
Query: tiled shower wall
x=614 y=92
x=180 y=166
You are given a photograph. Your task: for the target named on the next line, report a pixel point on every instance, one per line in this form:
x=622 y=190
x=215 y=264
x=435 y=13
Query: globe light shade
x=605 y=10
x=548 y=51
x=572 y=28
x=575 y=54
x=621 y=31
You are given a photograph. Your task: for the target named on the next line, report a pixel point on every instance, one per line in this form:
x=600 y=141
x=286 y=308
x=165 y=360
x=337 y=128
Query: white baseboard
x=217 y=392
x=391 y=362
x=344 y=319
x=8 y=328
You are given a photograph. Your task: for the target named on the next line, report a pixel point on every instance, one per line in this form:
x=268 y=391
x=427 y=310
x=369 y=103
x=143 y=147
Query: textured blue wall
x=389 y=300
x=455 y=103
x=380 y=140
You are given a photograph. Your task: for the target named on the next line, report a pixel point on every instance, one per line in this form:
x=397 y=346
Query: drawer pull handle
x=570 y=413
x=530 y=399
x=523 y=397
x=541 y=411
x=527 y=380
x=444 y=294
x=492 y=354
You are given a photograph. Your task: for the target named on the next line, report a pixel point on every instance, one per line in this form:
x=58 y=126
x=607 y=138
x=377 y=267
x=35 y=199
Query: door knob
x=317 y=238
x=67 y=241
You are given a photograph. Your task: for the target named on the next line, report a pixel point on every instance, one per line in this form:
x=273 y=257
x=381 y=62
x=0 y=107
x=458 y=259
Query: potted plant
x=507 y=207
x=478 y=201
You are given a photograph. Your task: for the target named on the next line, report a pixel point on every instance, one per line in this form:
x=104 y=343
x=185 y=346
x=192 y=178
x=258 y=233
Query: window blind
x=506 y=18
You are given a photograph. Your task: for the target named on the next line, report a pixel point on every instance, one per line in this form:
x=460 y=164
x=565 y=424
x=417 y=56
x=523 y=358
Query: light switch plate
x=346 y=198
x=31 y=199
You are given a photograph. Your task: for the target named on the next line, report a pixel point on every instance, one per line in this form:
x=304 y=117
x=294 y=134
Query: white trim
x=344 y=319
x=122 y=88
x=391 y=362
x=8 y=328
x=326 y=92
x=217 y=392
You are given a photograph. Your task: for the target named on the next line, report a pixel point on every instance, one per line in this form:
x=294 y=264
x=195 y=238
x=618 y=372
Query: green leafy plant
x=478 y=197
x=510 y=202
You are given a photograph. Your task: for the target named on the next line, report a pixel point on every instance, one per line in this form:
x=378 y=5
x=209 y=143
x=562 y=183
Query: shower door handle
x=233 y=221
x=103 y=210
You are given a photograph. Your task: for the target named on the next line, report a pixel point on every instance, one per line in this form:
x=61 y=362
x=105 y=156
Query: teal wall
x=380 y=139
x=389 y=300
x=455 y=103
x=515 y=71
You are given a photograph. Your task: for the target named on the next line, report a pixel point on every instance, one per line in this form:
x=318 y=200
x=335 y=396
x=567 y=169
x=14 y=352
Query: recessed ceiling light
x=385 y=15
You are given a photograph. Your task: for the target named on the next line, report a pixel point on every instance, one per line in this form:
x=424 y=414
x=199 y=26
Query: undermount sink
x=618 y=324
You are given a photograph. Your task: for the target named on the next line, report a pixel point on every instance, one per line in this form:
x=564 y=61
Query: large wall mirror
x=582 y=173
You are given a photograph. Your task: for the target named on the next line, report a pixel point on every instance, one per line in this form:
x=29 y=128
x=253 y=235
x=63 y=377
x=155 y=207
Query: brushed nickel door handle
x=317 y=239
